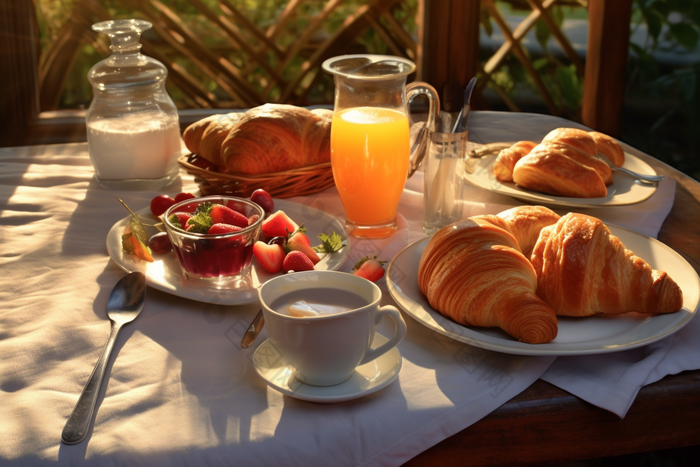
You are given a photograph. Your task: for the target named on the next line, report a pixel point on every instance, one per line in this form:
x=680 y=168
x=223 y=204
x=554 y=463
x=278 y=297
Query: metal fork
x=643 y=179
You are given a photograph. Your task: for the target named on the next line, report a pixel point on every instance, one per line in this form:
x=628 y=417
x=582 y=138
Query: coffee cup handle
x=393 y=313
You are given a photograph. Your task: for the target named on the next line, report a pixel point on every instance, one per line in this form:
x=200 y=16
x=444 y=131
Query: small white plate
x=623 y=191
x=576 y=336
x=367 y=378
x=165 y=274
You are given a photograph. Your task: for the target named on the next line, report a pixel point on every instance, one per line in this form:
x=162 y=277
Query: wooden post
x=19 y=61
x=606 y=64
x=448 y=46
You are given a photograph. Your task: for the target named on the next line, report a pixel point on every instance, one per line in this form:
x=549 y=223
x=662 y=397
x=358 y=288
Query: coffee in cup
x=330 y=330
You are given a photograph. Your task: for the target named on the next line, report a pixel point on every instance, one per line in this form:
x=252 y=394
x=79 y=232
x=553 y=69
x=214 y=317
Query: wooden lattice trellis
x=221 y=56
x=269 y=69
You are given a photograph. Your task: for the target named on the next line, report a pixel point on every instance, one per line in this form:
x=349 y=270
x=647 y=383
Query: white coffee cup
x=325 y=350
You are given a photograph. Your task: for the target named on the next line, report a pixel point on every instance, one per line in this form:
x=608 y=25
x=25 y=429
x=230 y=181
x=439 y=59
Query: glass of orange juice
x=370 y=143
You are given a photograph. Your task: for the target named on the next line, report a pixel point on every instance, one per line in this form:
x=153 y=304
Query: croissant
x=206 y=136
x=573 y=152
x=265 y=139
x=525 y=223
x=609 y=148
x=474 y=273
x=555 y=173
x=582 y=270
x=506 y=159
x=579 y=139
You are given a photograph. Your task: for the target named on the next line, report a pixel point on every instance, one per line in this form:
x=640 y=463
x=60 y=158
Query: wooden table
x=545 y=424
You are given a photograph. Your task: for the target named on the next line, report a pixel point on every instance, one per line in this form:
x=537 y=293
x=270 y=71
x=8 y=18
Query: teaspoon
x=253 y=330
x=124 y=304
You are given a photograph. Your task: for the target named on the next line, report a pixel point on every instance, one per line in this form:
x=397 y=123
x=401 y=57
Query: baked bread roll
x=265 y=139
x=506 y=159
x=582 y=270
x=579 y=139
x=557 y=174
x=474 y=273
x=609 y=148
x=525 y=223
x=582 y=157
x=206 y=136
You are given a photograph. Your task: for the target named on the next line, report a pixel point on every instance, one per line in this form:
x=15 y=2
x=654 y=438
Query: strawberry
x=278 y=225
x=296 y=261
x=225 y=215
x=270 y=257
x=300 y=242
x=235 y=241
x=221 y=229
x=179 y=219
x=369 y=268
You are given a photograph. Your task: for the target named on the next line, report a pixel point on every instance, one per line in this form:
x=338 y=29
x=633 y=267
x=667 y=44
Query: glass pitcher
x=371 y=153
x=133 y=128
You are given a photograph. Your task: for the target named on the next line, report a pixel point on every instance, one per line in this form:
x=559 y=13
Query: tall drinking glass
x=371 y=153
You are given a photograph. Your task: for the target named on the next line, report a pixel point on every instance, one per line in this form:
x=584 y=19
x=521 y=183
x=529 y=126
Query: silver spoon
x=253 y=330
x=123 y=306
x=644 y=179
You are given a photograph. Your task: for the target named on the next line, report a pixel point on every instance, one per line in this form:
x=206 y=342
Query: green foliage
x=672 y=26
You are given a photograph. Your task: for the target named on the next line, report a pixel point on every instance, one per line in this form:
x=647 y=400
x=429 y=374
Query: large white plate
x=577 y=336
x=165 y=273
x=623 y=191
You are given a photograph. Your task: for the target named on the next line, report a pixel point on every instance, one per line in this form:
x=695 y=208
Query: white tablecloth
x=182 y=391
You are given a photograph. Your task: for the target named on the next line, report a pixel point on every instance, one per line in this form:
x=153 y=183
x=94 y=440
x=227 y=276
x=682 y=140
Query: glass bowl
x=215 y=260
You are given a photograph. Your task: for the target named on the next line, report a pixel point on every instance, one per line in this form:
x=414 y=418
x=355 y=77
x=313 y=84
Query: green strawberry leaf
x=330 y=243
x=200 y=222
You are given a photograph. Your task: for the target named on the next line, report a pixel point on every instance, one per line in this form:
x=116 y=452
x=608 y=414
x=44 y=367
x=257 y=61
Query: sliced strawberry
x=225 y=215
x=270 y=257
x=300 y=236
x=369 y=268
x=300 y=242
x=221 y=229
x=278 y=225
x=179 y=219
x=296 y=261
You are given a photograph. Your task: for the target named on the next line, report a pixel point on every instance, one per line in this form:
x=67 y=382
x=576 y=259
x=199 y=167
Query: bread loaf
x=266 y=139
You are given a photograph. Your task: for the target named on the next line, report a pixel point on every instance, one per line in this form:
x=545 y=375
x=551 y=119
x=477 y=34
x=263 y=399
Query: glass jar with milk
x=133 y=129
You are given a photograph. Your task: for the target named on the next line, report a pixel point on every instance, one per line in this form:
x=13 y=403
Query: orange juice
x=370 y=155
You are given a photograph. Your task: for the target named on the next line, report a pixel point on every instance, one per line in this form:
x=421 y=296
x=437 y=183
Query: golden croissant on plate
x=582 y=270
x=266 y=139
x=565 y=163
x=474 y=272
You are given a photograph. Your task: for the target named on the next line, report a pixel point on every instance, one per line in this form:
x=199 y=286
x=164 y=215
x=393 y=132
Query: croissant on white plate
x=582 y=270
x=474 y=273
x=565 y=163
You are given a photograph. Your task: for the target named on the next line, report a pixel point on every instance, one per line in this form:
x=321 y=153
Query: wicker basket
x=297 y=182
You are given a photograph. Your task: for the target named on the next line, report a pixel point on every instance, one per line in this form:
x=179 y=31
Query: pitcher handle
x=420 y=145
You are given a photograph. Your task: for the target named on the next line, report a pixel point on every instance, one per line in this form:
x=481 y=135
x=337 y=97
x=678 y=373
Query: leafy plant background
x=662 y=103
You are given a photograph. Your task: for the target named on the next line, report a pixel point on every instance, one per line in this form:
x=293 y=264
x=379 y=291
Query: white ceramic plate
x=576 y=336
x=165 y=273
x=367 y=378
x=623 y=191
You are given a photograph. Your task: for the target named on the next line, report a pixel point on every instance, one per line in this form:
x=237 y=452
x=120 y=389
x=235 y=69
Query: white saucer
x=368 y=378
